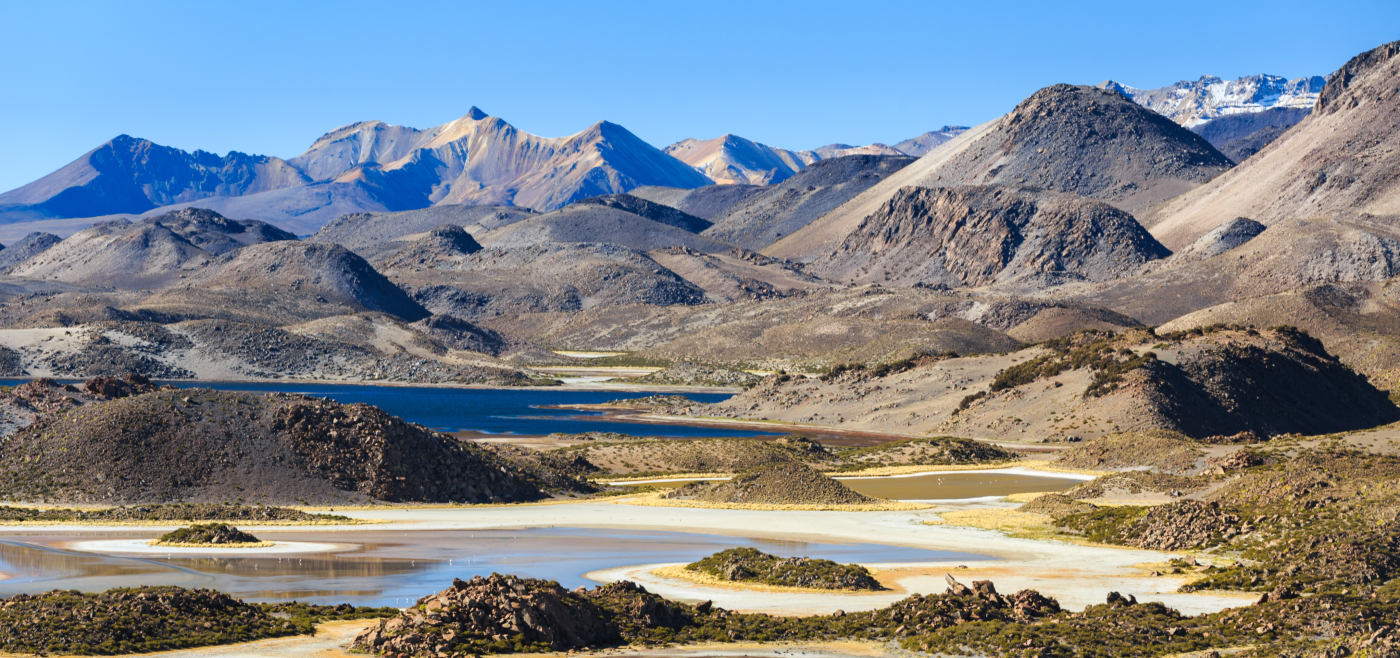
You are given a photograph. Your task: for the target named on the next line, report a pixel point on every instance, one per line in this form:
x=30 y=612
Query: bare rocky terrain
x=1090 y=142
x=1339 y=162
x=981 y=236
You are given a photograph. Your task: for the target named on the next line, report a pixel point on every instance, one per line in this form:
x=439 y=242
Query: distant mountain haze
x=372 y=166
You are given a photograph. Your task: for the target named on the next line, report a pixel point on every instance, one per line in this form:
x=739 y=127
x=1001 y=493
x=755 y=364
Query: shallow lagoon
x=393 y=568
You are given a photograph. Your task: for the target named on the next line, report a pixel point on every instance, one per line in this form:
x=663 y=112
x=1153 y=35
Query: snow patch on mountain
x=1194 y=102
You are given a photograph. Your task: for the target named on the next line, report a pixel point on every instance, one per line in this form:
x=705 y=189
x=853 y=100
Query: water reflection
x=393 y=568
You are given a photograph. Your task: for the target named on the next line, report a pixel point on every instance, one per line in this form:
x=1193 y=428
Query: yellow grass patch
x=654 y=499
x=1027 y=497
x=679 y=572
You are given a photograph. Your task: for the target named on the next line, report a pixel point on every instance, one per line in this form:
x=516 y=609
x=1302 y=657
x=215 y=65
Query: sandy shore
x=143 y=547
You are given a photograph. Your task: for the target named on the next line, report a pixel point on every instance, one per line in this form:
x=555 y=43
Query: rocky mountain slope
x=324 y=272
x=1089 y=142
x=1239 y=136
x=1288 y=255
x=704 y=202
x=1195 y=102
x=989 y=235
x=779 y=210
x=609 y=221
x=196 y=445
x=372 y=235
x=544 y=277
x=917 y=146
x=1341 y=161
x=118 y=254
x=1064 y=138
x=344 y=347
x=152 y=253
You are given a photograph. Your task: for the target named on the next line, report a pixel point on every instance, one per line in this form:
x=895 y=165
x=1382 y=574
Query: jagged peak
x=475 y=114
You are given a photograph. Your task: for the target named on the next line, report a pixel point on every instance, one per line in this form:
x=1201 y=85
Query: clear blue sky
x=270 y=77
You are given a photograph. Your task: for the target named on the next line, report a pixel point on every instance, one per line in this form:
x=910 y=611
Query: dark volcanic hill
x=372 y=235
x=985 y=235
x=215 y=233
x=446 y=241
x=1090 y=142
x=152 y=253
x=601 y=223
x=1242 y=135
x=323 y=272
x=1063 y=138
x=779 y=210
x=200 y=445
x=656 y=212
x=1342 y=161
x=27 y=247
x=704 y=202
x=543 y=277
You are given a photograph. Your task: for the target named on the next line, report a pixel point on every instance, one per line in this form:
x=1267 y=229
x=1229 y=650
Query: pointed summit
x=475 y=114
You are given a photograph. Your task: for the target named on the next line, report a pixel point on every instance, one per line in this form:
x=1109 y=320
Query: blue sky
x=270 y=77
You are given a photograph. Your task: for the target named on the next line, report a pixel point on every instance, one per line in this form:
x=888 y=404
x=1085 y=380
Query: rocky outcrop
x=979 y=236
x=753 y=565
x=1221 y=239
x=1185 y=525
x=445 y=241
x=503 y=614
x=212 y=534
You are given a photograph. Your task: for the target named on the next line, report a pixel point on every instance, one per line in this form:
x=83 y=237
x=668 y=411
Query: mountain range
x=372 y=166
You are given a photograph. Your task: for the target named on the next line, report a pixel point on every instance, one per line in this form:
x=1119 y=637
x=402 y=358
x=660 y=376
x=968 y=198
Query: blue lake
x=489 y=411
